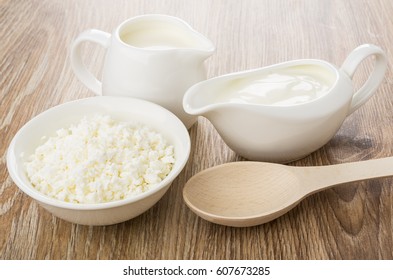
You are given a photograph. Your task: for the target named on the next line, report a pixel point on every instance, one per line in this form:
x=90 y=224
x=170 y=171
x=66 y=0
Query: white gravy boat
x=285 y=111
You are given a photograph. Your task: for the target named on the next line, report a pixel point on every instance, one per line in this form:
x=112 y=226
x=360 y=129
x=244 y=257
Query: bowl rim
x=11 y=161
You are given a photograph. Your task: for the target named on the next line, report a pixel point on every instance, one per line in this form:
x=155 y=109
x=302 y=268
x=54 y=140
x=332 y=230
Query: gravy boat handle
x=84 y=75
x=352 y=62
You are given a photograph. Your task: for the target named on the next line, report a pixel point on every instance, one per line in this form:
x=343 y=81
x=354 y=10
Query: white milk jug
x=152 y=57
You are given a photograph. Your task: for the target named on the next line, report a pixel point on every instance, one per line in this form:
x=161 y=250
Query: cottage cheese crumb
x=100 y=160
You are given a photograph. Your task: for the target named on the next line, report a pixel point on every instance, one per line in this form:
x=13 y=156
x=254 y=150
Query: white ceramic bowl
x=120 y=108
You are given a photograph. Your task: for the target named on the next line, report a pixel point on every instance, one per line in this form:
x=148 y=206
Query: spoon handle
x=321 y=177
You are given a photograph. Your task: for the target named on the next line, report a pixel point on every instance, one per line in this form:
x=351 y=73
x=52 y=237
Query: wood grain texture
x=351 y=222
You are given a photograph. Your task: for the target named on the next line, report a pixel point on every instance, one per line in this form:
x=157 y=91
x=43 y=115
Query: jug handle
x=353 y=61
x=84 y=75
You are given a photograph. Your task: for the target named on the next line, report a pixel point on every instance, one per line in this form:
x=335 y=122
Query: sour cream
x=290 y=86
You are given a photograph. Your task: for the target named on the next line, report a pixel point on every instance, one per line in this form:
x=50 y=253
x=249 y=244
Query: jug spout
x=198 y=48
x=192 y=40
x=194 y=57
x=202 y=46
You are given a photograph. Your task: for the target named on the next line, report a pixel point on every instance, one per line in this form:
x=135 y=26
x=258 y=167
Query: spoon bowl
x=242 y=194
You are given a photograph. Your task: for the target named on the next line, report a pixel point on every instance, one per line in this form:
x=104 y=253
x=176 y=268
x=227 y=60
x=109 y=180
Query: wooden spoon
x=242 y=194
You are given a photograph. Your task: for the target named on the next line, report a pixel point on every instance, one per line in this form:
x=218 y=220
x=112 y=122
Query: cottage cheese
x=100 y=160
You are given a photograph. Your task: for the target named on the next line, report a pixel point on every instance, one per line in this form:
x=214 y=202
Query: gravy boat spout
x=285 y=111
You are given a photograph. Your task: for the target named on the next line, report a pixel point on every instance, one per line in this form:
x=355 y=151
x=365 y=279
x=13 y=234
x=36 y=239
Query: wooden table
x=354 y=221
